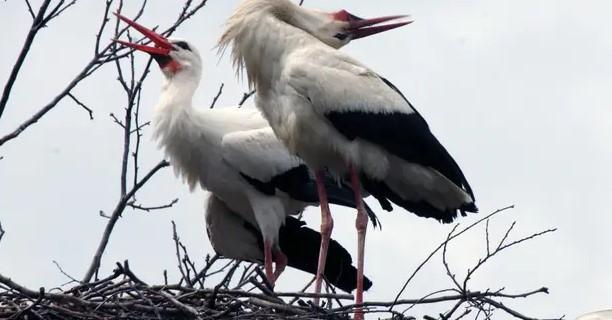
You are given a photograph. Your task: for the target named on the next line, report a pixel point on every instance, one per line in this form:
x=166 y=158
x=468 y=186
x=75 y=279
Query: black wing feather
x=301 y=246
x=405 y=135
x=299 y=185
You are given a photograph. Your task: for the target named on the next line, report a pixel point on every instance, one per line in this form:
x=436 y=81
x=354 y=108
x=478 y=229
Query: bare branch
x=133 y=205
x=64 y=273
x=37 y=24
x=101 y=57
x=117 y=212
x=212 y=105
x=82 y=105
x=30 y=10
x=116 y=120
x=442 y=245
x=1 y=231
x=175 y=237
x=58 y=10
x=245 y=97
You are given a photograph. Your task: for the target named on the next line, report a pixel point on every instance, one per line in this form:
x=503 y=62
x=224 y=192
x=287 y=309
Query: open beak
x=162 y=46
x=361 y=28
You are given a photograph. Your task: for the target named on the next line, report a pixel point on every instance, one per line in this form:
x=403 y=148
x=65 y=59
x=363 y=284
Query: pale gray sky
x=518 y=91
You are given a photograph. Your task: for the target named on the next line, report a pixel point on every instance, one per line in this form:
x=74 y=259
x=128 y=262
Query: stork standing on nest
x=231 y=152
x=336 y=113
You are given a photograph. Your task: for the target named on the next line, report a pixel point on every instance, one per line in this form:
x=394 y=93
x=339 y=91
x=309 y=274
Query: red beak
x=367 y=27
x=162 y=45
x=361 y=28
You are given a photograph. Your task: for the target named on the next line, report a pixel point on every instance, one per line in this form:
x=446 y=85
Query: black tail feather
x=383 y=193
x=301 y=246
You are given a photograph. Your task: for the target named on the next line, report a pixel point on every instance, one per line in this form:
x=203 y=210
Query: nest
x=123 y=295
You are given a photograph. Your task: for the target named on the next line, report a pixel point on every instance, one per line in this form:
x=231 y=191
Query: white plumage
x=231 y=152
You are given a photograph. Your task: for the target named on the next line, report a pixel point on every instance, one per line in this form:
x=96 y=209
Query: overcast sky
x=518 y=91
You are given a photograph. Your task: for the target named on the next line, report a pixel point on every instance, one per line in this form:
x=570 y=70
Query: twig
x=101 y=57
x=245 y=97
x=277 y=306
x=133 y=205
x=64 y=273
x=82 y=105
x=442 y=245
x=119 y=208
x=202 y=274
x=117 y=121
x=1 y=231
x=212 y=105
x=37 y=24
x=178 y=256
x=91 y=66
x=30 y=10
x=188 y=310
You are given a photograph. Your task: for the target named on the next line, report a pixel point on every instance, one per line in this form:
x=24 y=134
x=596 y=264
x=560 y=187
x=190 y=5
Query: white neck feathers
x=262 y=33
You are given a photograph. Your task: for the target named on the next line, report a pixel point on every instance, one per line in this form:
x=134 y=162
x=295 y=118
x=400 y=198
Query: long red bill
x=361 y=28
x=162 y=45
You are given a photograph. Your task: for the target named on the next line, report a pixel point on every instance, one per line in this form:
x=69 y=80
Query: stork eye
x=341 y=36
x=183 y=45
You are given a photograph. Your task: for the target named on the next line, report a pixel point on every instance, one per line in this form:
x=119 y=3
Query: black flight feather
x=408 y=137
x=299 y=185
x=301 y=246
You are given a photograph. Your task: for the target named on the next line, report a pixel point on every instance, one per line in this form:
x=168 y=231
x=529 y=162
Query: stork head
x=337 y=29
x=175 y=57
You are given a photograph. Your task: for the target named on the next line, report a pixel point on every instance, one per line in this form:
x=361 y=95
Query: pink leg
x=280 y=259
x=361 y=223
x=327 y=224
x=268 y=261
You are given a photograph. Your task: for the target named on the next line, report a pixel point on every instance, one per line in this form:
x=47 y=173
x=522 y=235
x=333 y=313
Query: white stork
x=233 y=237
x=336 y=113
x=231 y=152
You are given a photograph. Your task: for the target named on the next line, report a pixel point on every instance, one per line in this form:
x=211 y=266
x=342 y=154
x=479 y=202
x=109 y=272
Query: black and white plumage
x=235 y=238
x=231 y=152
x=336 y=113
x=331 y=109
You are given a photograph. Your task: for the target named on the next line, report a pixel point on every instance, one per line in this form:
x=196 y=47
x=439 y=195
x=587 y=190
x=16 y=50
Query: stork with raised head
x=233 y=237
x=337 y=113
x=231 y=152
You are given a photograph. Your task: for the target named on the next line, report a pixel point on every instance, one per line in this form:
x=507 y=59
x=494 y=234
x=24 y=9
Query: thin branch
x=1 y=231
x=178 y=256
x=82 y=105
x=212 y=105
x=101 y=57
x=36 y=26
x=442 y=245
x=119 y=208
x=64 y=273
x=455 y=297
x=202 y=274
x=188 y=310
x=133 y=205
x=116 y=120
x=58 y=10
x=245 y=97
x=30 y=10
